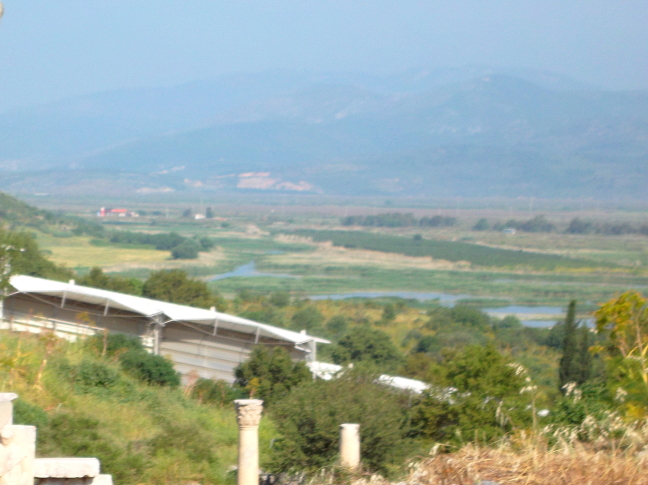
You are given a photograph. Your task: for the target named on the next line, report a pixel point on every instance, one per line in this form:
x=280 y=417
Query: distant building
x=103 y=212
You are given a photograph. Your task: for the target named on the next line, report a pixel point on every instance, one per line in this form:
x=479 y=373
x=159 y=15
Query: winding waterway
x=532 y=316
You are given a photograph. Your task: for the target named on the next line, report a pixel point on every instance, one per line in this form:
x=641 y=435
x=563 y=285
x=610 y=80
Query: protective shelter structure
x=210 y=343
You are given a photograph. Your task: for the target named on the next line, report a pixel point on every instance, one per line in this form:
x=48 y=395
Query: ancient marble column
x=350 y=446
x=249 y=416
x=17 y=446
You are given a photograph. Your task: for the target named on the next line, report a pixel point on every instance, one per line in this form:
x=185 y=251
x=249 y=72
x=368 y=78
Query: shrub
x=175 y=286
x=95 y=374
x=26 y=413
x=478 y=398
x=481 y=225
x=116 y=343
x=270 y=373
x=218 y=392
x=74 y=435
x=194 y=442
x=308 y=318
x=365 y=344
x=309 y=421
x=152 y=369
x=186 y=250
x=280 y=299
x=337 y=326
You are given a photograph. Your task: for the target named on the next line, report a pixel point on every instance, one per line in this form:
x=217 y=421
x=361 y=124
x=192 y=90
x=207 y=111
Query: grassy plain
x=551 y=269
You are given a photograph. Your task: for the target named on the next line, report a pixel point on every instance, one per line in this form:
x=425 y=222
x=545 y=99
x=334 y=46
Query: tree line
x=398 y=219
x=181 y=247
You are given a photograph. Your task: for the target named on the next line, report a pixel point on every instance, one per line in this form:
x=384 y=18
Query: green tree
x=369 y=345
x=209 y=213
x=280 y=299
x=20 y=254
x=96 y=278
x=389 y=313
x=269 y=373
x=185 y=250
x=337 y=326
x=308 y=318
x=623 y=323
x=478 y=392
x=568 y=370
x=309 y=419
x=481 y=225
x=176 y=287
x=584 y=357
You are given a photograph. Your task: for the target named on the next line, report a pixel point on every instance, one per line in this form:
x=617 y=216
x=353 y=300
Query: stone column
x=249 y=416
x=350 y=446
x=17 y=446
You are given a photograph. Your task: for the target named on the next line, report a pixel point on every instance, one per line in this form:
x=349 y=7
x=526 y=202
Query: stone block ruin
x=19 y=465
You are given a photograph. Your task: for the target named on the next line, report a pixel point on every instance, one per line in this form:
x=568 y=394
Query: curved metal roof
x=151 y=308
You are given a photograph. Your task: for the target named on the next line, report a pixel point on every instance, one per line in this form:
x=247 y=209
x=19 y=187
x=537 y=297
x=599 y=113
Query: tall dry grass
x=505 y=465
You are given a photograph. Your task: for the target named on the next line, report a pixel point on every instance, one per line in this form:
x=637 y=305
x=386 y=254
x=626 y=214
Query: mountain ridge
x=451 y=139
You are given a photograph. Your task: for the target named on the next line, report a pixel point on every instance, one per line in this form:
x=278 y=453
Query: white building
x=208 y=342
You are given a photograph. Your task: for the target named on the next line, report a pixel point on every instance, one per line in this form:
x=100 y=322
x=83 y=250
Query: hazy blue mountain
x=470 y=132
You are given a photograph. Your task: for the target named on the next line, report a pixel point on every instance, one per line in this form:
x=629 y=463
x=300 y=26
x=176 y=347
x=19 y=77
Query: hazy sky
x=56 y=48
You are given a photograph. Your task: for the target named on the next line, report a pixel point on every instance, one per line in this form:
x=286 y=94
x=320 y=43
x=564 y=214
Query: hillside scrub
x=87 y=405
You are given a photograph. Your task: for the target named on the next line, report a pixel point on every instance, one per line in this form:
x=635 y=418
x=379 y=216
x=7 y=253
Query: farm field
x=311 y=254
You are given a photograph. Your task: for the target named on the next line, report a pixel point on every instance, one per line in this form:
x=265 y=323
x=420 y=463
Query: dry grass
x=573 y=466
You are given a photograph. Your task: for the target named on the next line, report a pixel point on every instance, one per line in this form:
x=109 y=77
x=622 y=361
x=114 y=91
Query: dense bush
x=152 y=369
x=67 y=434
x=269 y=373
x=308 y=318
x=185 y=250
x=216 y=392
x=370 y=346
x=95 y=374
x=481 y=225
x=96 y=278
x=175 y=286
x=477 y=397
x=309 y=421
x=336 y=327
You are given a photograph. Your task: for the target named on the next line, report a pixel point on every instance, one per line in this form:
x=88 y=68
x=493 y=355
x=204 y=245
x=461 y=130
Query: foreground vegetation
x=119 y=407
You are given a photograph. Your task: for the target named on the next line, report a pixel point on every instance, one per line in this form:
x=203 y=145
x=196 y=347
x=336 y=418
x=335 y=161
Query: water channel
x=532 y=316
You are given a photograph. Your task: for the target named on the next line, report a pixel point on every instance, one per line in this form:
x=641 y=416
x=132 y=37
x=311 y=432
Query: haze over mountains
x=471 y=132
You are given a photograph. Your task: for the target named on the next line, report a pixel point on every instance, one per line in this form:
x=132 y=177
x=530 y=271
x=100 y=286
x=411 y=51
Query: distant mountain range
x=472 y=132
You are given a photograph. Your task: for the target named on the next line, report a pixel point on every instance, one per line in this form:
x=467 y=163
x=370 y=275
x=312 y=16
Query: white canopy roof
x=151 y=308
x=326 y=371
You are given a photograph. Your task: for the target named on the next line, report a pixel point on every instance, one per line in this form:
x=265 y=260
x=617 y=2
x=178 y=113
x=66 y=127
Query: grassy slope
x=14 y=211
x=142 y=433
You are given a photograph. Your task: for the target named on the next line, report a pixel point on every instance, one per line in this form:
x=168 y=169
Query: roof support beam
x=256 y=337
x=215 y=327
x=107 y=307
x=63 y=299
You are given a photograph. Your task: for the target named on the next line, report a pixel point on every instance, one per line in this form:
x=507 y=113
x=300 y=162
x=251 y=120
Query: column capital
x=248 y=411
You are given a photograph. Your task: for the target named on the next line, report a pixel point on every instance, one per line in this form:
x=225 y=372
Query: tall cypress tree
x=584 y=358
x=568 y=370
